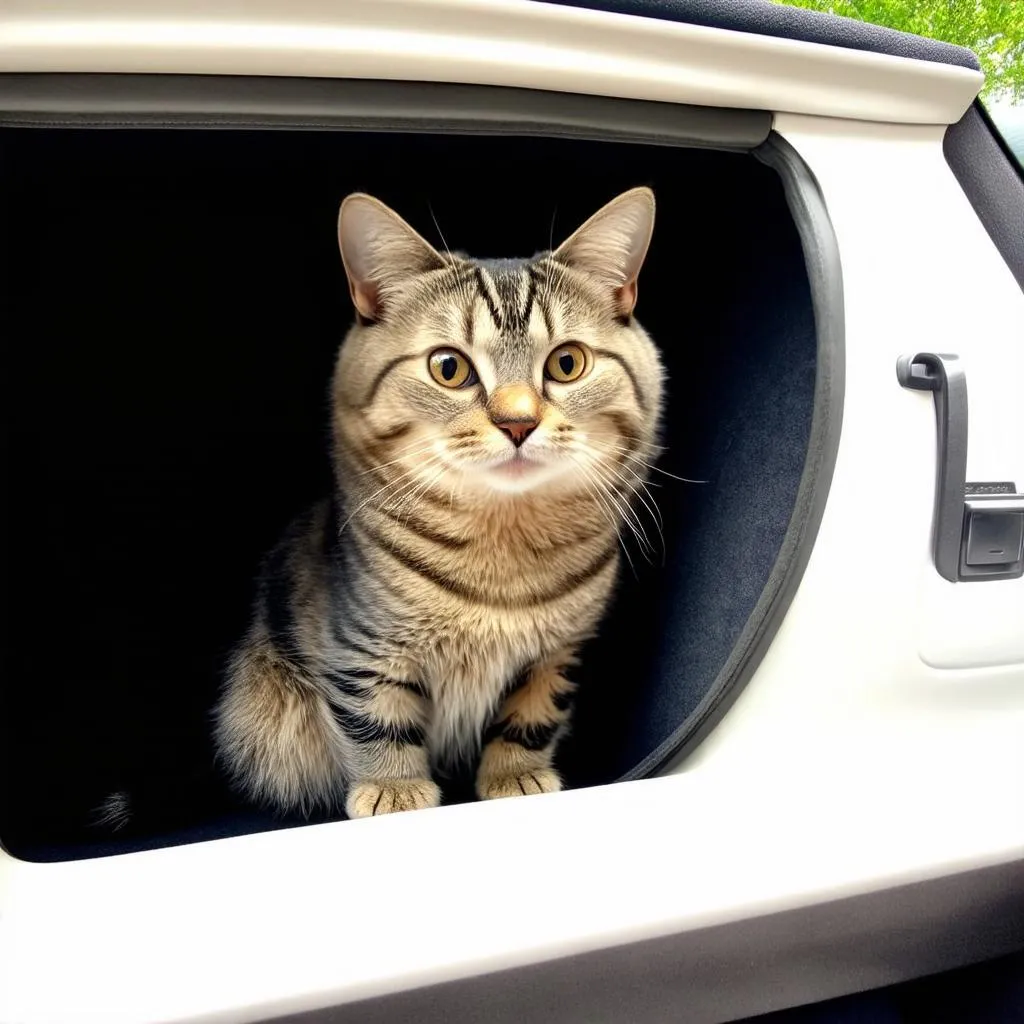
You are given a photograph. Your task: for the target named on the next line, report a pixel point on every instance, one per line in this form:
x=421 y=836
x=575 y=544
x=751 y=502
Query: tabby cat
x=491 y=422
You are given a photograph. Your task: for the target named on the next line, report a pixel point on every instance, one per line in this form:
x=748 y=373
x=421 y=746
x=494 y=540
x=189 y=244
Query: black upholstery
x=170 y=309
x=771 y=18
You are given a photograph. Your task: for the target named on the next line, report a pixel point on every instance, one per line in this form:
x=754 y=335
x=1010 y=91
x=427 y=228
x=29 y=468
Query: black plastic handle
x=943 y=375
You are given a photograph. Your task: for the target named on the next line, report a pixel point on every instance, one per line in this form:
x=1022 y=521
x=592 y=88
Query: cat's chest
x=490 y=645
x=475 y=653
x=467 y=668
x=492 y=595
x=513 y=595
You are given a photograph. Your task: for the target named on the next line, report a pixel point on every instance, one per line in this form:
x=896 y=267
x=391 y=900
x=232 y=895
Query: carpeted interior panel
x=171 y=304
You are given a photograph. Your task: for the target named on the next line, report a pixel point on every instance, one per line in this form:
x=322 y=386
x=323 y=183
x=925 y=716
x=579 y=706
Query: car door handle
x=977 y=529
x=943 y=375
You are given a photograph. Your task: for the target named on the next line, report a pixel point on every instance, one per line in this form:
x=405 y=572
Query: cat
x=491 y=421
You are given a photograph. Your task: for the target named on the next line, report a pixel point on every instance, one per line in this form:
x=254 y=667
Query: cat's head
x=497 y=375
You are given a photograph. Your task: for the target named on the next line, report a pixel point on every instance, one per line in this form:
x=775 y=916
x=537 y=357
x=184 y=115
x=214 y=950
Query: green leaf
x=993 y=29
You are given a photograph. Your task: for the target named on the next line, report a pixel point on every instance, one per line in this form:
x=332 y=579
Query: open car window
x=1007 y=117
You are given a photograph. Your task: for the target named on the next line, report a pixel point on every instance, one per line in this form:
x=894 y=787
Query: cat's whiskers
x=625 y=449
x=637 y=478
x=389 y=505
x=405 y=454
x=409 y=502
x=634 y=456
x=400 y=479
x=594 y=489
x=462 y=285
x=444 y=241
x=638 y=484
x=639 y=487
x=629 y=514
x=651 y=506
x=624 y=491
x=626 y=514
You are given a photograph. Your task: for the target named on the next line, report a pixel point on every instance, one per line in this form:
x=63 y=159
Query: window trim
x=992 y=181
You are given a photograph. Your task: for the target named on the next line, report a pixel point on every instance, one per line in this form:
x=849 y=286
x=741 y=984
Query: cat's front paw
x=385 y=796
x=543 y=780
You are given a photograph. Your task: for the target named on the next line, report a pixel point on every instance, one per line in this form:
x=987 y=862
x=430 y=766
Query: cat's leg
x=519 y=748
x=276 y=734
x=384 y=720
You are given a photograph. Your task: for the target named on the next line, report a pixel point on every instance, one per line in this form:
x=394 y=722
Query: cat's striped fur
x=429 y=610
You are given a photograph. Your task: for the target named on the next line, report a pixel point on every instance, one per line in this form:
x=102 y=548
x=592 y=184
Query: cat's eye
x=451 y=369
x=566 y=363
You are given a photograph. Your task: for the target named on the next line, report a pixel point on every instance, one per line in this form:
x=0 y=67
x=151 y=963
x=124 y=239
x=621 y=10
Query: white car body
x=859 y=811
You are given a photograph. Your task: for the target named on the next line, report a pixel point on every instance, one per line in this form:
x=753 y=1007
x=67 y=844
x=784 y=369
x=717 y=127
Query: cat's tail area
x=140 y=807
x=114 y=813
x=159 y=805
x=166 y=811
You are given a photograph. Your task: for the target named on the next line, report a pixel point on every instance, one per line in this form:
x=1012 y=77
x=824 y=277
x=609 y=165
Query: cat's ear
x=380 y=251
x=611 y=246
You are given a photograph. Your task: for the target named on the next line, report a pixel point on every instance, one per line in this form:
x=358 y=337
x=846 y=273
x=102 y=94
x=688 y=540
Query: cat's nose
x=518 y=432
x=515 y=410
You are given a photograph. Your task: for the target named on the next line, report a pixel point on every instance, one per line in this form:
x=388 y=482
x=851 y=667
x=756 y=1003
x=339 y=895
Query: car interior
x=172 y=304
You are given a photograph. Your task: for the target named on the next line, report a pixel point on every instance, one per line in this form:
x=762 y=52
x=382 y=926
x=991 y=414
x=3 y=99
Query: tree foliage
x=993 y=29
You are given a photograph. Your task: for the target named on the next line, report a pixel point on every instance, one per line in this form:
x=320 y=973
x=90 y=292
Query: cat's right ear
x=380 y=252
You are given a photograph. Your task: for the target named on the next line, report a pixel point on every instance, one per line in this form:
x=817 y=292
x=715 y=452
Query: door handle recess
x=977 y=529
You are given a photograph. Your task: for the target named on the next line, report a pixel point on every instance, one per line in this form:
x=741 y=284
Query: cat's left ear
x=380 y=253
x=611 y=246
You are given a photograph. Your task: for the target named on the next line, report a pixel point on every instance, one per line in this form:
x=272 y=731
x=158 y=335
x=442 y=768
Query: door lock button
x=995 y=538
x=992 y=546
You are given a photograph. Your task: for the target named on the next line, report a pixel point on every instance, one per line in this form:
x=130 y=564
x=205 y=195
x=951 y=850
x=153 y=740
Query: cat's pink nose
x=518 y=431
x=515 y=410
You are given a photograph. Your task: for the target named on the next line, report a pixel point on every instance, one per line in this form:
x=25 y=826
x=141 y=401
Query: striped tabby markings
x=531 y=297
x=386 y=718
x=641 y=398
x=393 y=478
x=367 y=728
x=539 y=277
x=519 y=747
x=382 y=374
x=416 y=525
x=490 y=300
x=459 y=588
x=395 y=432
x=278 y=611
x=316 y=701
x=367 y=465
x=555 y=543
x=362 y=682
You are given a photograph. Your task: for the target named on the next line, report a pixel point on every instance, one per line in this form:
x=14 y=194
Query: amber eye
x=566 y=364
x=451 y=369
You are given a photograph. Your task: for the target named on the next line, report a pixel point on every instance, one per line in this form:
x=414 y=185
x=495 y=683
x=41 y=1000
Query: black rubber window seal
x=824 y=271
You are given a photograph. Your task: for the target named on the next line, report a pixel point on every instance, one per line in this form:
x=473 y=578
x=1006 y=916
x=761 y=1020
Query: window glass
x=1008 y=118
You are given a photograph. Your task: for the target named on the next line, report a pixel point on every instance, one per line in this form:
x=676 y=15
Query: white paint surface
x=920 y=274
x=847 y=765
x=850 y=763
x=233 y=929
x=496 y=42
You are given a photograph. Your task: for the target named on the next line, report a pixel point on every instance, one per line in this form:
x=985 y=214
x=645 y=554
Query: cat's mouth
x=518 y=471
x=513 y=471
x=517 y=465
